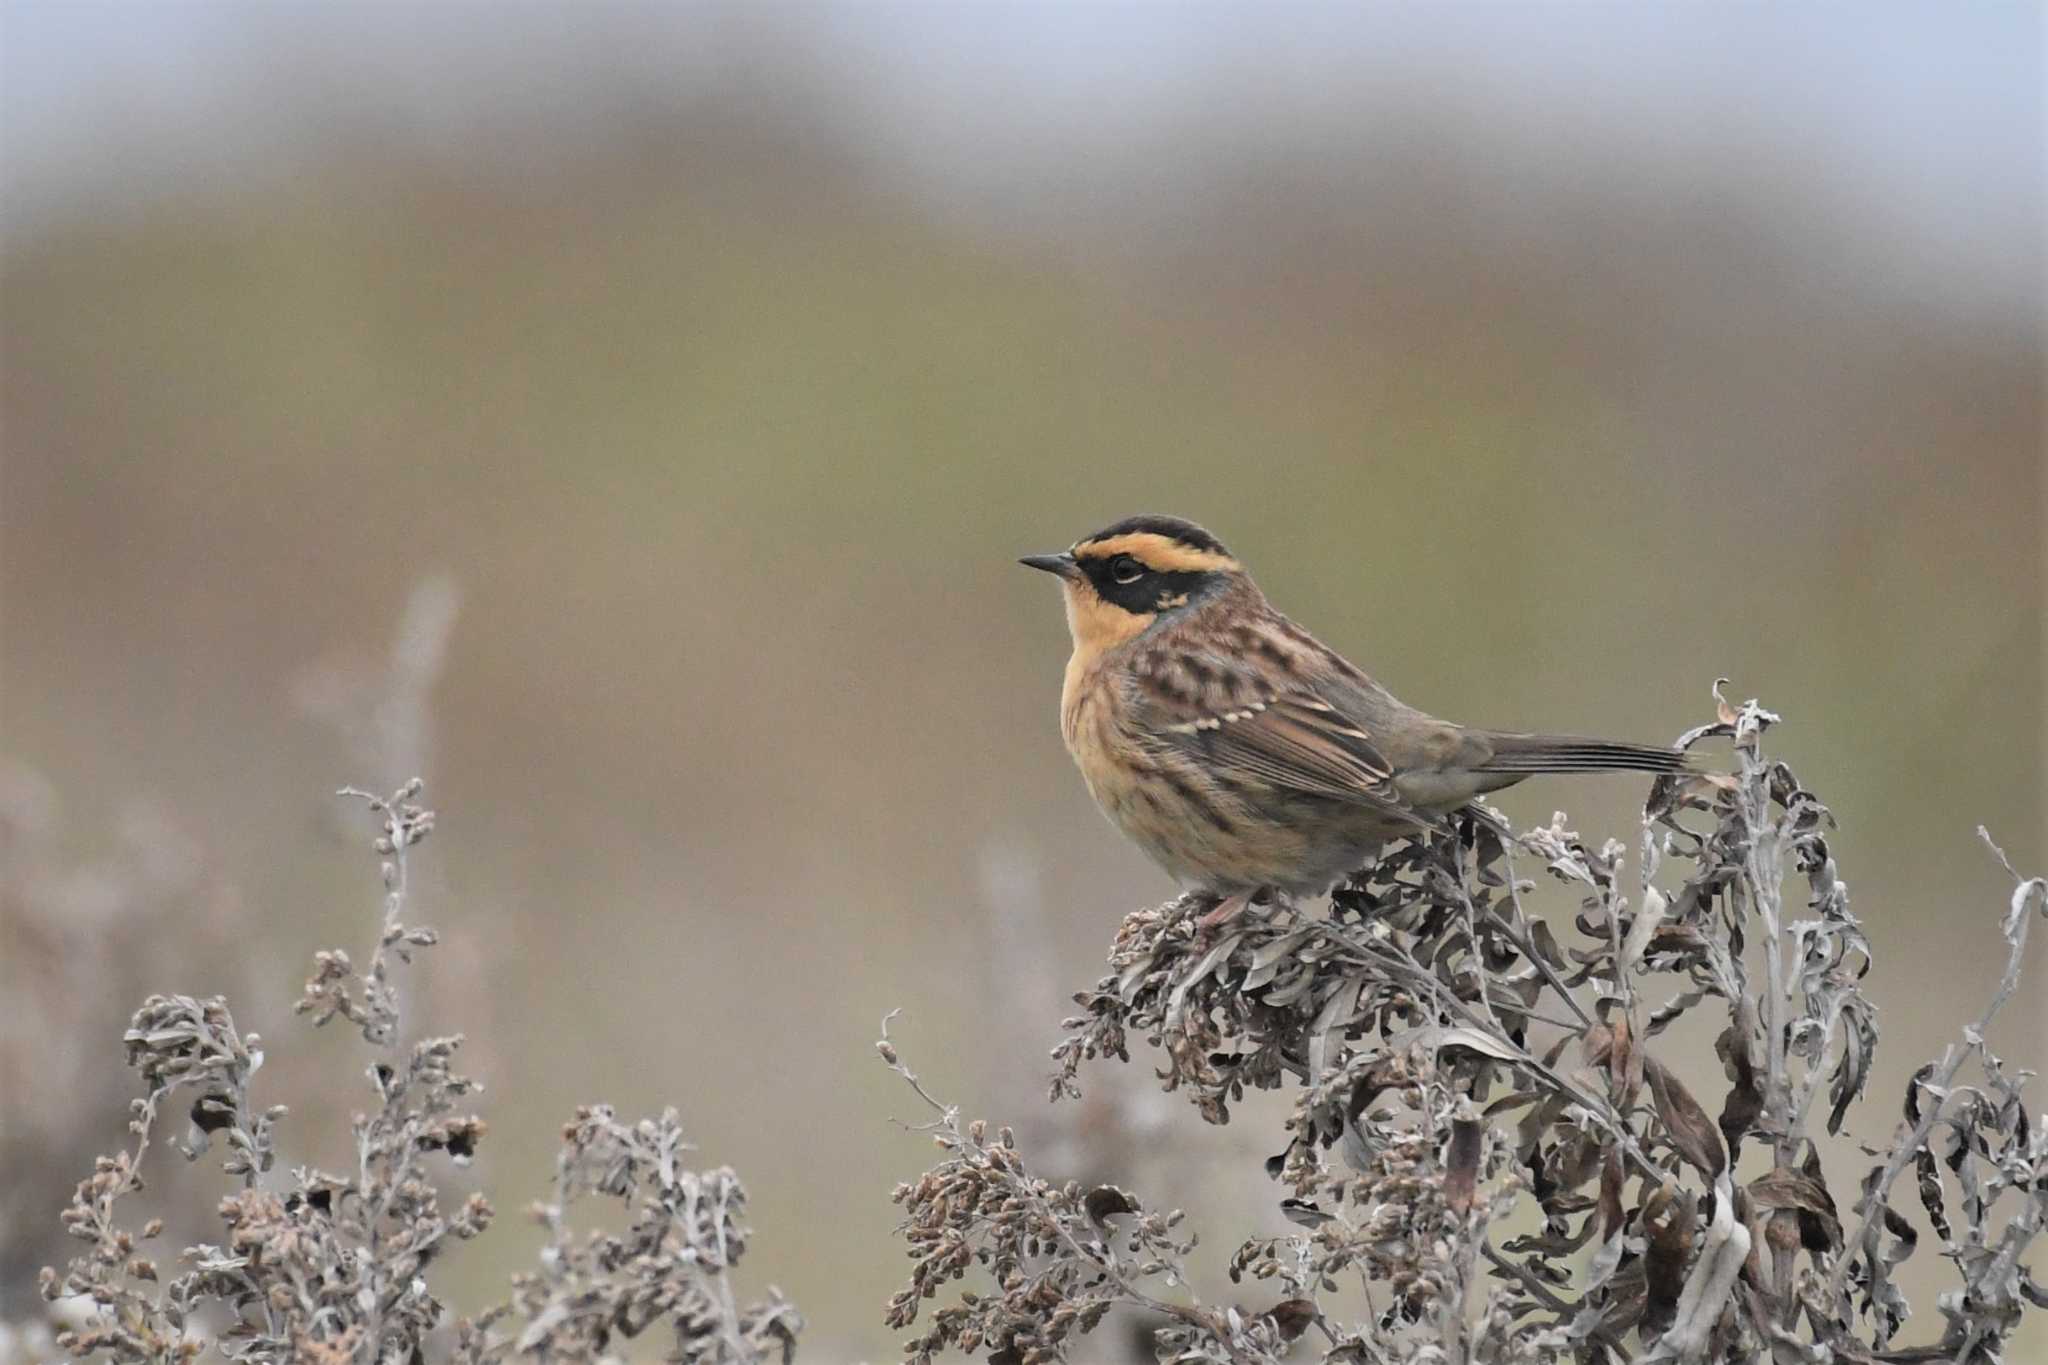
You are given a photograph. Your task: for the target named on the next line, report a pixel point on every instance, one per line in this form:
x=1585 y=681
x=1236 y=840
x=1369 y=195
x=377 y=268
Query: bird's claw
x=1227 y=909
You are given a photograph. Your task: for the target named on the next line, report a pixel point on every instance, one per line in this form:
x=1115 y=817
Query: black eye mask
x=1151 y=591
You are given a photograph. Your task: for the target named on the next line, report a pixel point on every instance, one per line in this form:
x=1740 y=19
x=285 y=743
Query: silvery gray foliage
x=671 y=1264
x=1057 y=1255
x=1492 y=1154
x=318 y=1267
x=332 y=1267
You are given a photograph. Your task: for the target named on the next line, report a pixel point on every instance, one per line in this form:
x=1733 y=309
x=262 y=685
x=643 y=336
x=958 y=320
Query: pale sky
x=1934 y=112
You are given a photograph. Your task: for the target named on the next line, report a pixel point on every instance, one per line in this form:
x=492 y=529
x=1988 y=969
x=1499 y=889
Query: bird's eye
x=1126 y=570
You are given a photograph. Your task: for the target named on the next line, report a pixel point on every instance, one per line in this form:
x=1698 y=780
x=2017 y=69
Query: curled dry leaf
x=1292 y=1317
x=1104 y=1202
x=1692 y=1134
x=1461 y=1163
x=1801 y=1191
x=1670 y=1219
x=1745 y=1102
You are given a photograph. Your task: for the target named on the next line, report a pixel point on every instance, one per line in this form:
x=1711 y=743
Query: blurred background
x=628 y=417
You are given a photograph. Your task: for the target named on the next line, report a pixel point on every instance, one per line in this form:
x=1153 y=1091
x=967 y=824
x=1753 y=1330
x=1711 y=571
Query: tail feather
x=1575 y=754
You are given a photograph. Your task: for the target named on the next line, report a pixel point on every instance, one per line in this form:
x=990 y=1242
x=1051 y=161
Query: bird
x=1243 y=755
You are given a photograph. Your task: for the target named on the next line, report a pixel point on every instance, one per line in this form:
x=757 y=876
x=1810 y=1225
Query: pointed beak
x=1063 y=565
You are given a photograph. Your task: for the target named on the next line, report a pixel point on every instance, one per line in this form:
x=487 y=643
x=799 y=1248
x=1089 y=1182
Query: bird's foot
x=1231 y=909
x=1227 y=909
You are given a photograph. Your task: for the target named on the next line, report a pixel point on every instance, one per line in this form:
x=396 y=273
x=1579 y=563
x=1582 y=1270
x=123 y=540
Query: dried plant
x=331 y=1267
x=1494 y=1150
x=687 y=1233
x=1492 y=1154
x=68 y=973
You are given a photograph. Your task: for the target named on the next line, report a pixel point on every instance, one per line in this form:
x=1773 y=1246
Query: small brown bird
x=1239 y=751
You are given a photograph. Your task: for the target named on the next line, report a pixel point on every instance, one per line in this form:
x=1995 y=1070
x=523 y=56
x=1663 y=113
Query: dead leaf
x=1723 y=712
x=1105 y=1202
x=1613 y=1045
x=1461 y=1165
x=1292 y=1317
x=1745 y=1102
x=1612 y=1179
x=1670 y=1219
x=1784 y=1188
x=1692 y=1133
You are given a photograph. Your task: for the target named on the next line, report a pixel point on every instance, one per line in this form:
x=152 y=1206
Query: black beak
x=1063 y=565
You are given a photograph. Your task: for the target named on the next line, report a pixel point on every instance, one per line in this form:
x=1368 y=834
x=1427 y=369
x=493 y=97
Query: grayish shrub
x=1491 y=1154
x=332 y=1267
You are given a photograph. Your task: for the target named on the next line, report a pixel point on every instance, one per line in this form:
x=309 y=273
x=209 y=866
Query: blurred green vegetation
x=730 y=448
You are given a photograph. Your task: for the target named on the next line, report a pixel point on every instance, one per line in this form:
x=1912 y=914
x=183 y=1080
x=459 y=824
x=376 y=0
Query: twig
x=1908 y=1140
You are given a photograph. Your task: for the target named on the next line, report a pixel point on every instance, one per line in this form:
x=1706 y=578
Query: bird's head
x=1125 y=577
